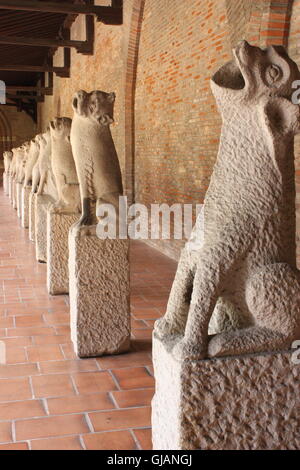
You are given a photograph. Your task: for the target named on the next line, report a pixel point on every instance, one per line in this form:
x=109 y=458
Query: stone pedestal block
x=10 y=188
x=5 y=183
x=25 y=206
x=19 y=199
x=32 y=198
x=58 y=226
x=41 y=205
x=14 y=195
x=234 y=403
x=99 y=293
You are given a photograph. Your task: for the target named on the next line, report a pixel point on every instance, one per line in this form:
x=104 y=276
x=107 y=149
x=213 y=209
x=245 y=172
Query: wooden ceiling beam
x=60 y=71
x=35 y=89
x=107 y=14
x=22 y=97
x=42 y=42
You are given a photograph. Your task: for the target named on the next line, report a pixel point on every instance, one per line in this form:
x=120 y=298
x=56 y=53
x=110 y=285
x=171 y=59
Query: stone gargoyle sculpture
x=94 y=152
x=244 y=278
x=33 y=155
x=43 y=172
x=63 y=167
x=7 y=157
x=23 y=157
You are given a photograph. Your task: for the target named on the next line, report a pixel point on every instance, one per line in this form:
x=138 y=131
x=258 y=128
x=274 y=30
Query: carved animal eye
x=273 y=73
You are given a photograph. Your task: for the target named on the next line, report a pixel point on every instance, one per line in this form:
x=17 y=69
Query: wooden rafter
x=107 y=14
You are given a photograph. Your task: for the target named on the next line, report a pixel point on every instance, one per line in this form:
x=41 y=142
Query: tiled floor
x=48 y=398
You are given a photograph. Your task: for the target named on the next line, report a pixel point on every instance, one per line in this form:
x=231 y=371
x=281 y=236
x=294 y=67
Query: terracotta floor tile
x=80 y=403
x=15 y=389
x=50 y=427
x=120 y=440
x=47 y=352
x=52 y=386
x=14 y=446
x=144 y=436
x=36 y=331
x=68 y=351
x=68 y=366
x=21 y=409
x=121 y=419
x=51 y=339
x=18 y=370
x=62 y=443
x=15 y=355
x=125 y=360
x=18 y=342
x=29 y=320
x=6 y=322
x=133 y=398
x=5 y=432
x=135 y=377
x=94 y=382
x=142 y=334
x=57 y=318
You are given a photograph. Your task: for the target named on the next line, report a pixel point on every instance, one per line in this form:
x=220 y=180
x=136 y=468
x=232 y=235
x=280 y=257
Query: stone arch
x=130 y=88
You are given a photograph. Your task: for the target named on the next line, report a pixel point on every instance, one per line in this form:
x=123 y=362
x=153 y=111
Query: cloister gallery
x=149 y=225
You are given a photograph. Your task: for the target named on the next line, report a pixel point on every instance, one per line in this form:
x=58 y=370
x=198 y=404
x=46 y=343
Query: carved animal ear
x=106 y=120
x=111 y=97
x=281 y=116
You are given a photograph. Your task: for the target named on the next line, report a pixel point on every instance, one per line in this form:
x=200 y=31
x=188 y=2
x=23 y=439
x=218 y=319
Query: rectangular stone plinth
x=10 y=188
x=5 y=183
x=99 y=293
x=58 y=226
x=14 y=194
x=19 y=199
x=236 y=403
x=32 y=198
x=25 y=206
x=42 y=203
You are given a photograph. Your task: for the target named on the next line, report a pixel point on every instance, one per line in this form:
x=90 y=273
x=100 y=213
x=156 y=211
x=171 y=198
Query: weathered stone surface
x=10 y=188
x=25 y=206
x=14 y=194
x=19 y=199
x=94 y=152
x=242 y=278
x=32 y=198
x=63 y=167
x=249 y=402
x=42 y=203
x=5 y=183
x=99 y=293
x=58 y=226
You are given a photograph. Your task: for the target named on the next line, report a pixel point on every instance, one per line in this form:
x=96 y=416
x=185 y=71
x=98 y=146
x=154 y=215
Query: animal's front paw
x=188 y=350
x=164 y=328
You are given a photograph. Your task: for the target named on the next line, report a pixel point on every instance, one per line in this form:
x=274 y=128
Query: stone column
x=246 y=402
x=32 y=198
x=58 y=226
x=25 y=206
x=5 y=183
x=19 y=199
x=99 y=293
x=41 y=205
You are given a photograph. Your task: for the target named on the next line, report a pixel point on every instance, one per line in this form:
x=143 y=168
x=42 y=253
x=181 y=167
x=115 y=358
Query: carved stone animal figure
x=7 y=156
x=23 y=159
x=245 y=270
x=33 y=155
x=63 y=167
x=46 y=178
x=95 y=156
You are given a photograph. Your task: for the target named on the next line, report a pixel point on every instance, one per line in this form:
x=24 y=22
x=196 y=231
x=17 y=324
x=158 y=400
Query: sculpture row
x=56 y=182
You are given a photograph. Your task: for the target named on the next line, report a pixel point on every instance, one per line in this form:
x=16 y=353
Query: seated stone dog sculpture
x=94 y=152
x=246 y=268
x=63 y=167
